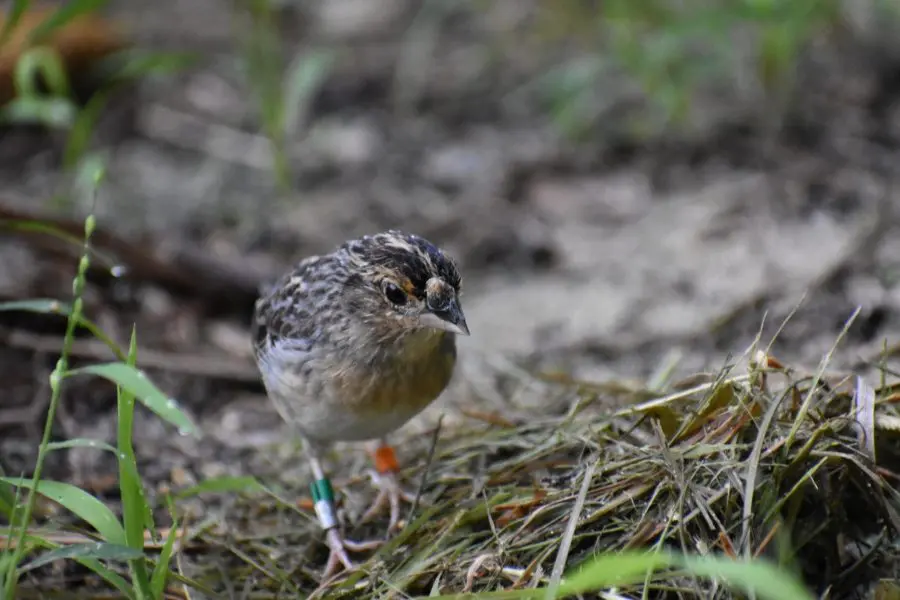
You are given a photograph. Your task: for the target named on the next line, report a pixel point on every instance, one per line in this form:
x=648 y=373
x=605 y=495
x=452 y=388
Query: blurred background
x=631 y=188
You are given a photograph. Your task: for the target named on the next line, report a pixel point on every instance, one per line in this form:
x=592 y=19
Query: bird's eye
x=394 y=294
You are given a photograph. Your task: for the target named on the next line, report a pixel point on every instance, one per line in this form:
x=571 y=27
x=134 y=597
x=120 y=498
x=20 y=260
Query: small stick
x=431 y=450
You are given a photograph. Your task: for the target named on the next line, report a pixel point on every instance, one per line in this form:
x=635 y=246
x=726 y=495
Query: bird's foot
x=337 y=552
x=323 y=498
x=389 y=491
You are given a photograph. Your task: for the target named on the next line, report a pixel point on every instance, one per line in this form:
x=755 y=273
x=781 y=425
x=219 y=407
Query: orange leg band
x=385 y=460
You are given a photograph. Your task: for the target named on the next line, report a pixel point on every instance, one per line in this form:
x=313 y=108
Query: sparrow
x=350 y=346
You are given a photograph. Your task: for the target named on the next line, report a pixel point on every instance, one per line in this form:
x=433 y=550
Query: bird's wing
x=291 y=313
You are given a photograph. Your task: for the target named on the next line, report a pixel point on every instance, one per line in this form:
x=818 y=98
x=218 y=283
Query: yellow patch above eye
x=408 y=286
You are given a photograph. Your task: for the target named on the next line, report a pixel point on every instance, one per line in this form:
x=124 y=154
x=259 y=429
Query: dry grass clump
x=772 y=463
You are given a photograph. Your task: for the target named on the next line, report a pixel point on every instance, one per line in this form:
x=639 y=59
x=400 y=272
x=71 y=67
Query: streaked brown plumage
x=353 y=344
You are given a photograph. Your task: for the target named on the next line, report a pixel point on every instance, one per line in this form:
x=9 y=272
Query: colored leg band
x=323 y=500
x=385 y=460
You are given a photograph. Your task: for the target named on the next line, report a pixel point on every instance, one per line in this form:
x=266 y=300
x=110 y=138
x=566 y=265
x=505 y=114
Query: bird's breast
x=409 y=376
x=368 y=392
x=381 y=393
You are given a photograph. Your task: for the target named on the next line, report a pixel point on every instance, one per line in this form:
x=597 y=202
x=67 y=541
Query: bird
x=350 y=346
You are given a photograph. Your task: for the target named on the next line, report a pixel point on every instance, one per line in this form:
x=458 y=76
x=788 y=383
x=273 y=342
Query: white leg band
x=325 y=512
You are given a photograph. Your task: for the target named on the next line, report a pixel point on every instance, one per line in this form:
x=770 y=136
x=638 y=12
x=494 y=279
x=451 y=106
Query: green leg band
x=323 y=499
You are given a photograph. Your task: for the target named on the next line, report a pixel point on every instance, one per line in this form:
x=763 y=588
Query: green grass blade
x=225 y=483
x=50 y=306
x=37 y=305
x=34 y=226
x=63 y=15
x=39 y=227
x=13 y=16
x=97 y=550
x=110 y=576
x=56 y=113
x=135 y=382
x=72 y=498
x=135 y=63
x=83 y=129
x=89 y=169
x=161 y=571
x=93 y=444
x=501 y=595
x=102 y=571
x=41 y=65
x=135 y=510
x=760 y=577
x=305 y=77
x=81 y=443
x=80 y=503
x=613 y=569
x=5 y=564
x=7 y=501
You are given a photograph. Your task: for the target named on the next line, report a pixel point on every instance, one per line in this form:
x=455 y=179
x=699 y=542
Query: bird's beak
x=449 y=318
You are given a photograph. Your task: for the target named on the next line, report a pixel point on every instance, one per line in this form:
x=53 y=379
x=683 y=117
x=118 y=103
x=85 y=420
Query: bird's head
x=404 y=283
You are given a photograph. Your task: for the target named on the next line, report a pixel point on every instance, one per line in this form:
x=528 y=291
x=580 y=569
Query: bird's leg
x=385 y=478
x=323 y=501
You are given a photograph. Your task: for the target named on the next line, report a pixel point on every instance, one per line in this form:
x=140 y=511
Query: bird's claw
x=389 y=493
x=338 y=547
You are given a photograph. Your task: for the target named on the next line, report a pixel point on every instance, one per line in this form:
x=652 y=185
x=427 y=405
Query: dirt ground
x=609 y=257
